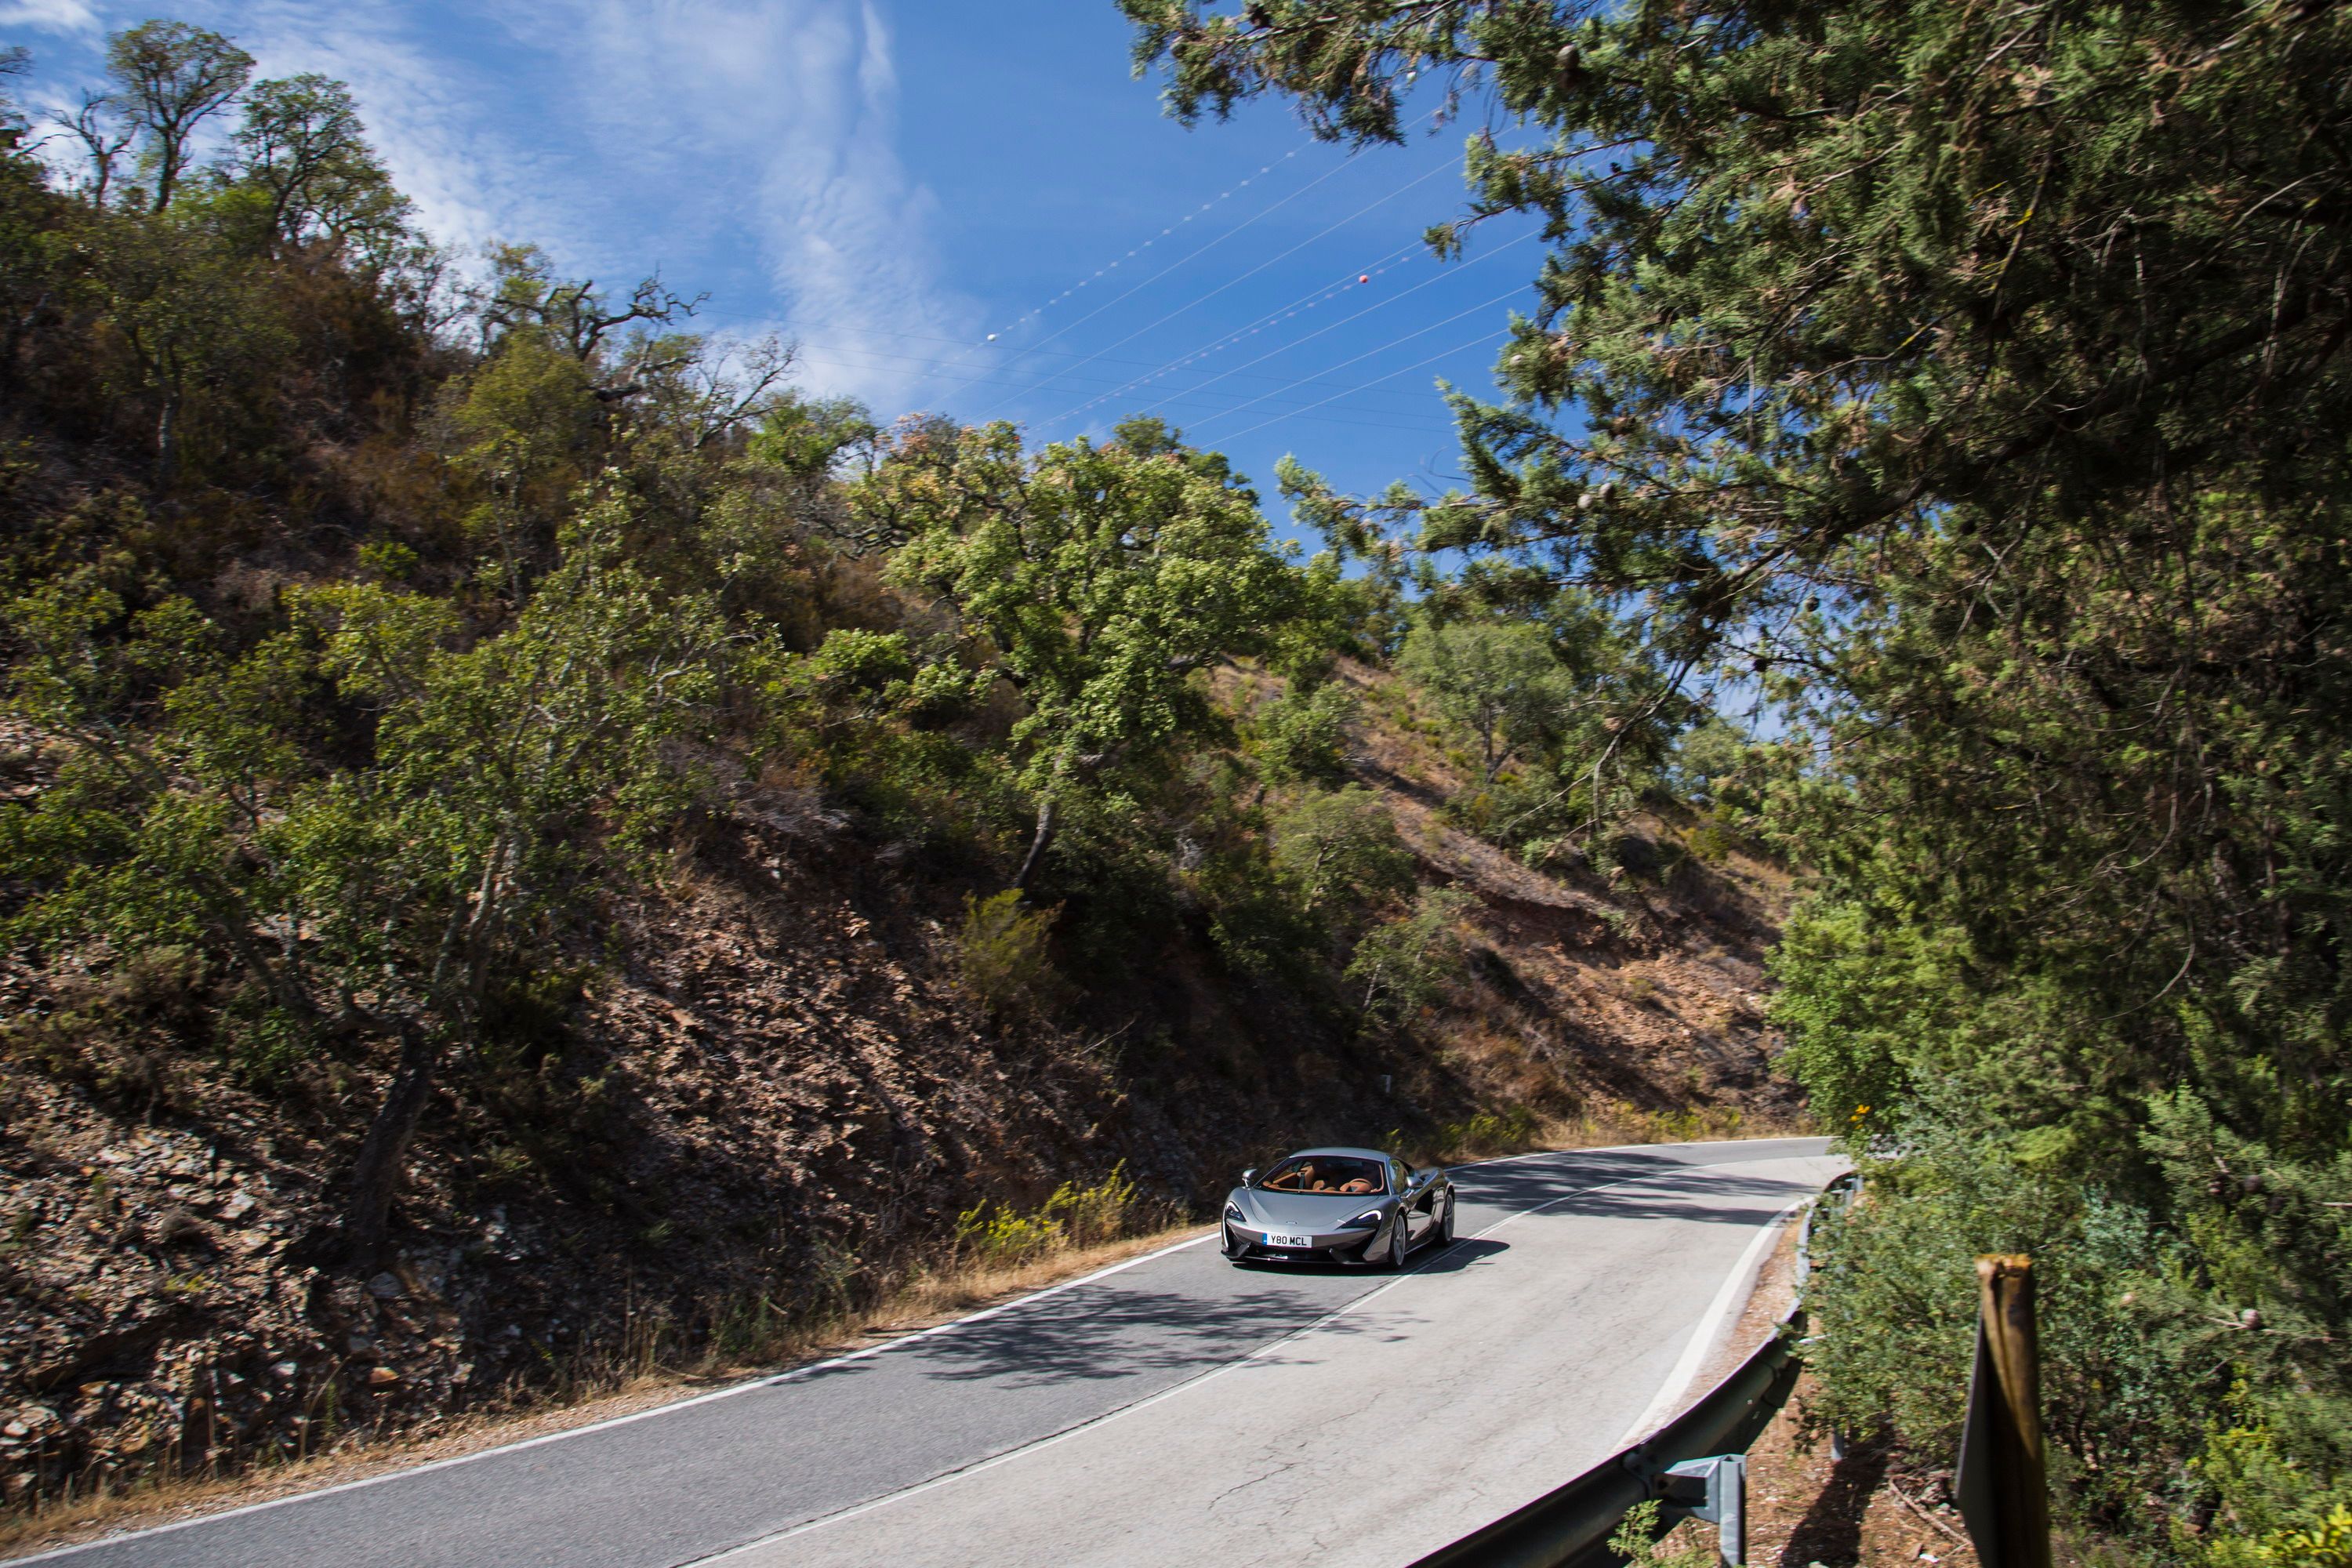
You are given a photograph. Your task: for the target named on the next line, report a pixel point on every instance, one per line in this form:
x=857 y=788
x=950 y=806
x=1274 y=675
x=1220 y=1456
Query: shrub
x=1340 y=852
x=1487 y=1133
x=1302 y=737
x=1409 y=963
x=1074 y=1216
x=1001 y=951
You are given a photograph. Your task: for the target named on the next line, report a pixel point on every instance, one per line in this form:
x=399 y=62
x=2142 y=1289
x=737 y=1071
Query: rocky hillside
x=768 y=1095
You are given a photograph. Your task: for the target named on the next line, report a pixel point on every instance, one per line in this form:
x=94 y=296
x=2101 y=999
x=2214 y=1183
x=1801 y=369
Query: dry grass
x=599 y=1389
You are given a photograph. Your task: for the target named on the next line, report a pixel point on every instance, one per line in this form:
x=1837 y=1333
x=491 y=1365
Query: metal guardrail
x=1570 y=1527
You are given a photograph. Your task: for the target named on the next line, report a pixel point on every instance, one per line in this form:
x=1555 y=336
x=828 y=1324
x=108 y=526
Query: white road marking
x=645 y=1415
x=812 y=1368
x=1729 y=1301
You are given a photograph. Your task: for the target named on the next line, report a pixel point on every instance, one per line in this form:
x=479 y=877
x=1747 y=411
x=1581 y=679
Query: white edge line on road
x=404 y=1472
x=1737 y=1286
x=768 y=1381
x=723 y=1554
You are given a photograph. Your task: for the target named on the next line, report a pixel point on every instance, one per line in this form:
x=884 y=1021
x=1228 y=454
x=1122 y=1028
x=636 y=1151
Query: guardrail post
x=2003 y=1485
x=1715 y=1489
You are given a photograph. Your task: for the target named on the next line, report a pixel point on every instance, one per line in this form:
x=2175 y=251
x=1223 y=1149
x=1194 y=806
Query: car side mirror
x=1249 y=1176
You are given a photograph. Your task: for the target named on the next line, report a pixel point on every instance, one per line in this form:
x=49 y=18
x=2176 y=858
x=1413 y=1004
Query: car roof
x=1349 y=1153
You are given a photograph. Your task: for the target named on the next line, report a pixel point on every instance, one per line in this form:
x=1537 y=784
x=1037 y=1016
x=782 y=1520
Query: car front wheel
x=1446 y=1223
x=1400 y=1240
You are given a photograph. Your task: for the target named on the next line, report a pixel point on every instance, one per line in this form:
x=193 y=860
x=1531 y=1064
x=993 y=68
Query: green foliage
x=1104 y=577
x=1640 y=1540
x=1967 y=379
x=1002 y=952
x=1340 y=856
x=1496 y=679
x=185 y=303
x=301 y=142
x=1301 y=737
x=169 y=77
x=1000 y=1235
x=1411 y=961
x=1487 y=1133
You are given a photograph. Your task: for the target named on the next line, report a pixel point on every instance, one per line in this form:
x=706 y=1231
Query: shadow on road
x=1443 y=1261
x=1519 y=1189
x=1202 y=1312
x=1104 y=1335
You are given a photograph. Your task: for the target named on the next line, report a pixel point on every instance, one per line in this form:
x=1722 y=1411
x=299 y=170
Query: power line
x=925 y=362
x=1359 y=315
x=1181 y=396
x=1180 y=261
x=1322 y=294
x=1261 y=265
x=1303 y=413
x=1369 y=354
x=959 y=341
x=1133 y=251
x=1019 y=321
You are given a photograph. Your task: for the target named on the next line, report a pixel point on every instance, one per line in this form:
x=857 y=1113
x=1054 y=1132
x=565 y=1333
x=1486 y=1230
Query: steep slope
x=768 y=1096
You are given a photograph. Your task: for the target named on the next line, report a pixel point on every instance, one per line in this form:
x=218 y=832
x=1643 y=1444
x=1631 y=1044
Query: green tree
x=15 y=61
x=1301 y=736
x=1969 y=375
x=1409 y=961
x=1817 y=276
x=186 y=302
x=380 y=901
x=1339 y=852
x=1497 y=680
x=1106 y=580
x=170 y=77
x=524 y=296
x=302 y=141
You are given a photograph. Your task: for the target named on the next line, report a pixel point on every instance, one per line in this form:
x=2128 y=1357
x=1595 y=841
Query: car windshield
x=1324 y=1174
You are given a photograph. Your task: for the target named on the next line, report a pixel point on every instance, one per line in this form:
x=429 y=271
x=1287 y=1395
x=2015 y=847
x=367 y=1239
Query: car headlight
x=1365 y=1221
x=1234 y=1212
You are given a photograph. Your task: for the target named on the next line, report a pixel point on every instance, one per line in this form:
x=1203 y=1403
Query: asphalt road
x=1172 y=1410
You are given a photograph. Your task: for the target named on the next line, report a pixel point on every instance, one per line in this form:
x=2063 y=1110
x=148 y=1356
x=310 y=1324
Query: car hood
x=1305 y=1211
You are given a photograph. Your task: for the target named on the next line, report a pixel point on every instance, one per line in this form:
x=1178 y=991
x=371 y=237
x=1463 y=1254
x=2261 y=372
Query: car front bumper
x=1245 y=1243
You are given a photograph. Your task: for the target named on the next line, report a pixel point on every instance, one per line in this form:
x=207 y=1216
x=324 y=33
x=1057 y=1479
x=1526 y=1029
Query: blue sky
x=889 y=184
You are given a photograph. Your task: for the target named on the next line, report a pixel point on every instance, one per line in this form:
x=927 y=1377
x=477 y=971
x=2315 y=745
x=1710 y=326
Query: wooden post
x=2004 y=1485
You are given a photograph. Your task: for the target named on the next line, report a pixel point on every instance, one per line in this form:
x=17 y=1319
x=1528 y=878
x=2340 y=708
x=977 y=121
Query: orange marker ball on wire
x=1363 y=278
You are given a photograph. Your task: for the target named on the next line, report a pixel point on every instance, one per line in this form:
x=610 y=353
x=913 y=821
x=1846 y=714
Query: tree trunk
x=1048 y=821
x=167 y=438
x=375 y=1175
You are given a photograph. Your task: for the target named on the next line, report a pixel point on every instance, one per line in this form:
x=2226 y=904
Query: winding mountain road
x=1171 y=1410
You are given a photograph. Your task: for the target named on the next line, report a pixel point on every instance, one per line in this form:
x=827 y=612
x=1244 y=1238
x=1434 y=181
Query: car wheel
x=1446 y=1223
x=1399 y=1240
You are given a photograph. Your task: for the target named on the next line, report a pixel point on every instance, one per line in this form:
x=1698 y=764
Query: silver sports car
x=1353 y=1206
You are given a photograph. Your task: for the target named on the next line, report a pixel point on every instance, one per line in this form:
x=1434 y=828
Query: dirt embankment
x=763 y=1096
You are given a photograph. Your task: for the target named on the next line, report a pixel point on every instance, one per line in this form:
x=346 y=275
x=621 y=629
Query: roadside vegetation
x=1972 y=376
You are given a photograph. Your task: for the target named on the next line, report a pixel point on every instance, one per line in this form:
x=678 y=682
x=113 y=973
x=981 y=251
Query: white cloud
x=627 y=135
x=781 y=121
x=49 y=16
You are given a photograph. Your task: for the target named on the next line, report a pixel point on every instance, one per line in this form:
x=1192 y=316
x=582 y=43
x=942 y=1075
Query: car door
x=1409 y=1203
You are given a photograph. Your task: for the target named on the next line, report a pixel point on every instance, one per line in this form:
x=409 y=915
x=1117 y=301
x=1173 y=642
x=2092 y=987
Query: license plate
x=1276 y=1238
